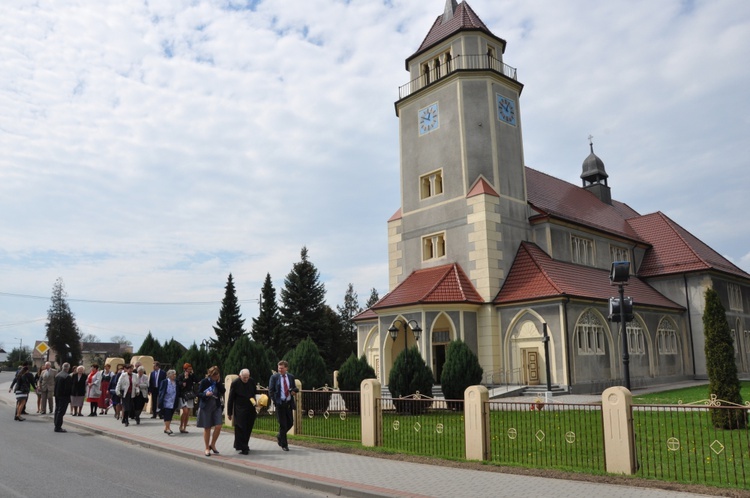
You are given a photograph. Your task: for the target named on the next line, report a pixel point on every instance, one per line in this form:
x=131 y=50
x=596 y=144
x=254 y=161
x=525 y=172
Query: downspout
x=567 y=341
x=690 y=322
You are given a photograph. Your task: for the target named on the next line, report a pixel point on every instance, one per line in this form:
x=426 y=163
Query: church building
x=505 y=257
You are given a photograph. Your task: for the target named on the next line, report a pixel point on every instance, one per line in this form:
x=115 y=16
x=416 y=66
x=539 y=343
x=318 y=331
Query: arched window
x=636 y=340
x=666 y=337
x=590 y=334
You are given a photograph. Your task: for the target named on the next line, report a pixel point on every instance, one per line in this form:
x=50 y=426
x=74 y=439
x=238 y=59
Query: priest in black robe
x=241 y=409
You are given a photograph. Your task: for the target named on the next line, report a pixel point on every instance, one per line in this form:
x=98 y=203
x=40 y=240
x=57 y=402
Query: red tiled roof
x=464 y=18
x=557 y=198
x=675 y=250
x=534 y=275
x=396 y=216
x=441 y=284
x=367 y=314
x=482 y=187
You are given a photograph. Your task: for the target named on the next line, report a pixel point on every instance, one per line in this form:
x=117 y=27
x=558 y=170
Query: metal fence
x=559 y=435
x=329 y=414
x=681 y=443
x=421 y=425
x=265 y=421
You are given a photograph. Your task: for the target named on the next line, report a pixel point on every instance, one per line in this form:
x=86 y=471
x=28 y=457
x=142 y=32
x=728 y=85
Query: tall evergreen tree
x=62 y=331
x=198 y=359
x=172 y=351
x=251 y=355
x=374 y=298
x=229 y=326
x=348 y=328
x=267 y=327
x=720 y=366
x=151 y=347
x=303 y=308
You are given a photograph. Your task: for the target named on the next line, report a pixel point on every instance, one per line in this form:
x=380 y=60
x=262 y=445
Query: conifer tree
x=249 y=354
x=229 y=326
x=461 y=370
x=720 y=366
x=151 y=347
x=374 y=298
x=348 y=339
x=62 y=331
x=267 y=327
x=198 y=359
x=303 y=308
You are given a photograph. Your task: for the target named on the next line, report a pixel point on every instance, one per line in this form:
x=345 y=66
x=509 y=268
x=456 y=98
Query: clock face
x=506 y=110
x=428 y=118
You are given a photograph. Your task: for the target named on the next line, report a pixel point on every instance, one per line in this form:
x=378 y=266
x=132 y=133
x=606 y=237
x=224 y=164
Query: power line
x=130 y=303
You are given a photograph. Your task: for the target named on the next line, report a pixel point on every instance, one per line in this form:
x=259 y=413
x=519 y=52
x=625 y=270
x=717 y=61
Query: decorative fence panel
x=266 y=419
x=680 y=443
x=423 y=426
x=329 y=414
x=559 y=435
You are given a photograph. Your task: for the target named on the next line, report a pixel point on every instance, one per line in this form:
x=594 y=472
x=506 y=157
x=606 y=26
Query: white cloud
x=149 y=149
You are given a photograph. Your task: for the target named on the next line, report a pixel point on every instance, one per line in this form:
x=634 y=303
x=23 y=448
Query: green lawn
x=684 y=395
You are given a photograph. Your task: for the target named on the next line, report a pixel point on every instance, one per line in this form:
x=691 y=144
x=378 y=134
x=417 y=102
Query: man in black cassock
x=241 y=409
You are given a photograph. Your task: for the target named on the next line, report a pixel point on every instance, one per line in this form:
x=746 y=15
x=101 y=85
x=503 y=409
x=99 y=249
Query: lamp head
x=620 y=272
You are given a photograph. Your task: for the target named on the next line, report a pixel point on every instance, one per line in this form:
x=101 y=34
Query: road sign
x=42 y=348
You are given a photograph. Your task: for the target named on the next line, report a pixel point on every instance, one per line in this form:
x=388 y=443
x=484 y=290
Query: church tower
x=463 y=187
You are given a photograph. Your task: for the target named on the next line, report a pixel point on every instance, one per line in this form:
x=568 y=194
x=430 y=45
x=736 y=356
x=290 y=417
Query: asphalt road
x=37 y=462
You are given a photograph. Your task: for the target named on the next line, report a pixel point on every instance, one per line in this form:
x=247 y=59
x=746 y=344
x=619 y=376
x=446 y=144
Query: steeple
x=450 y=9
x=594 y=176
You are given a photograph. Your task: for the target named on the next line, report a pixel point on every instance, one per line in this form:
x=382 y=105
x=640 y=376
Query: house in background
x=492 y=252
x=3 y=356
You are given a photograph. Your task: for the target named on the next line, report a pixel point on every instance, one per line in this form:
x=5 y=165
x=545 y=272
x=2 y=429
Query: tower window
x=433 y=246
x=426 y=73
x=582 y=250
x=431 y=185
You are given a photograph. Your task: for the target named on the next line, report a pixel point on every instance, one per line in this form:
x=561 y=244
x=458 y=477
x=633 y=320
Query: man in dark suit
x=154 y=381
x=282 y=390
x=63 y=390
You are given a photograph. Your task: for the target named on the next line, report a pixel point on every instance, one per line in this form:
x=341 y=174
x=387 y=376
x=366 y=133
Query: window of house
x=431 y=185
x=636 y=340
x=433 y=246
x=448 y=59
x=582 y=250
x=666 y=338
x=618 y=253
x=735 y=297
x=590 y=333
x=426 y=73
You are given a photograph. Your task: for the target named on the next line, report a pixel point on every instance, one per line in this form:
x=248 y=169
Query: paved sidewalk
x=336 y=473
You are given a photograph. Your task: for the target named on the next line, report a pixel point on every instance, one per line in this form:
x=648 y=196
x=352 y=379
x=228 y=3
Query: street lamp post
x=412 y=324
x=621 y=310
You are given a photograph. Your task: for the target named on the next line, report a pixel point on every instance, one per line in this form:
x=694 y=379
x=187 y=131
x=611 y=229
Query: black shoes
x=60 y=430
x=285 y=448
x=245 y=452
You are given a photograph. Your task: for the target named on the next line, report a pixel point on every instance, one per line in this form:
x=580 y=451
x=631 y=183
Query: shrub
x=461 y=370
x=306 y=364
x=246 y=353
x=409 y=375
x=351 y=375
x=720 y=365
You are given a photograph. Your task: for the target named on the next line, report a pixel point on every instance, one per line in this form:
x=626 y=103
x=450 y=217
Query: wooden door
x=531 y=366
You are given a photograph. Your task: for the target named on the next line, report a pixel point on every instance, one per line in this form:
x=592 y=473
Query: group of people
x=126 y=391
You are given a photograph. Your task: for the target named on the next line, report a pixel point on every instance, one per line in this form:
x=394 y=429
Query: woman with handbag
x=23 y=382
x=140 y=397
x=188 y=384
x=211 y=394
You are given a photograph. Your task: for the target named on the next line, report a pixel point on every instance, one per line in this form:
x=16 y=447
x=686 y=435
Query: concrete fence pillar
x=476 y=423
x=619 y=442
x=371 y=415
x=298 y=413
x=227 y=384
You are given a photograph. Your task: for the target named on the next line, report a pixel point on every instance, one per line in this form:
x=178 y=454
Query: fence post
x=371 y=415
x=475 y=422
x=619 y=443
x=297 y=425
x=227 y=385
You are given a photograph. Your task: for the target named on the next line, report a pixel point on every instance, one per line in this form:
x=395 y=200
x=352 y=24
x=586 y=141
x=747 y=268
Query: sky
x=148 y=149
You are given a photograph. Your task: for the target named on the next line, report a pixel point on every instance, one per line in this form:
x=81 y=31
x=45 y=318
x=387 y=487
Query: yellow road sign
x=42 y=347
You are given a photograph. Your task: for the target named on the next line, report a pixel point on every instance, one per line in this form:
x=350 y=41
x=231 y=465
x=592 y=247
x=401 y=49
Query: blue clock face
x=506 y=110
x=428 y=118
